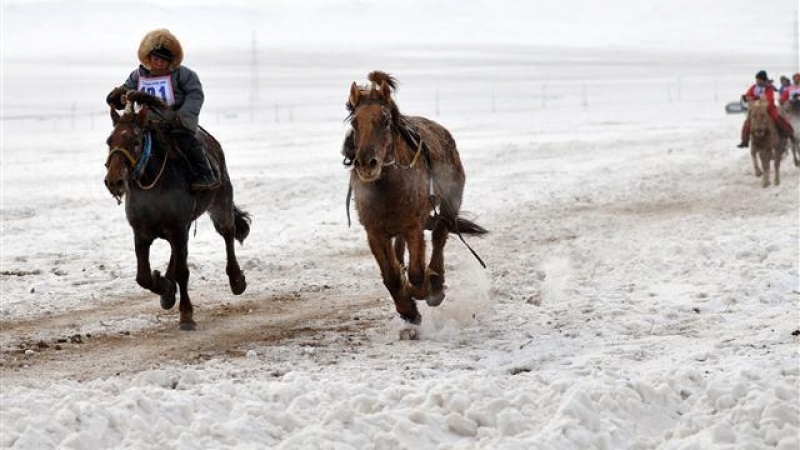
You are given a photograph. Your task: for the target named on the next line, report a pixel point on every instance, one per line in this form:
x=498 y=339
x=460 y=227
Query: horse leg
x=400 y=250
x=168 y=297
x=225 y=226
x=236 y=278
x=753 y=153
x=416 y=263
x=392 y=275
x=152 y=281
x=142 y=245
x=436 y=273
x=764 y=154
x=180 y=253
x=796 y=151
x=778 y=155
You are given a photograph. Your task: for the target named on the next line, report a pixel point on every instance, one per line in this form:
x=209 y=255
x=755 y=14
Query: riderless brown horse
x=147 y=169
x=406 y=177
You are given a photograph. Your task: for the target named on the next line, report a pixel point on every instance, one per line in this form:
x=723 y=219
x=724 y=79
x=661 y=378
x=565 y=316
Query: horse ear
x=386 y=90
x=355 y=94
x=114 y=116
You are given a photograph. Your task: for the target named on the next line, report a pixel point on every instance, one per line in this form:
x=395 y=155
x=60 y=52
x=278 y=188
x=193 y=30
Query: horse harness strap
x=146 y=152
x=124 y=153
x=414 y=140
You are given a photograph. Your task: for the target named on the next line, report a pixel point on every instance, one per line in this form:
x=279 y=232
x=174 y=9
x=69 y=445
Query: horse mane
x=377 y=77
x=144 y=98
x=759 y=103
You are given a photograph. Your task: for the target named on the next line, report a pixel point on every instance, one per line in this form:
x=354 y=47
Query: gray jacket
x=188 y=93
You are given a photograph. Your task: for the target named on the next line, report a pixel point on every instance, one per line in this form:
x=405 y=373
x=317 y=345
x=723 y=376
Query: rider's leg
x=745 y=134
x=202 y=176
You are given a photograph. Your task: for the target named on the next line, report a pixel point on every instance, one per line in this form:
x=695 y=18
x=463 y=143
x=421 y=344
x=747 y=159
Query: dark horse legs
x=180 y=254
x=223 y=217
x=152 y=281
x=177 y=270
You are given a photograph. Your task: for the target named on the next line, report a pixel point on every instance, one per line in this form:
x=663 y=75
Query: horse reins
x=133 y=163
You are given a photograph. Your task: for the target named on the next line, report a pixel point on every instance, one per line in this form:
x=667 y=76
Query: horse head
x=373 y=116
x=125 y=146
x=126 y=142
x=760 y=120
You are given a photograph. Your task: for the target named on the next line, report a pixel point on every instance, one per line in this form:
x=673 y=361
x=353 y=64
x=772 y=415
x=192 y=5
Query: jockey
x=161 y=74
x=764 y=89
x=785 y=83
x=790 y=97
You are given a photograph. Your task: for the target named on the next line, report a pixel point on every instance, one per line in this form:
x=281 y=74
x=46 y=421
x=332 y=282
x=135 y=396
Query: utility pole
x=254 y=80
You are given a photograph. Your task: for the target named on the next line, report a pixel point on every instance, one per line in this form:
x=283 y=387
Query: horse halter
x=384 y=110
x=137 y=132
x=142 y=139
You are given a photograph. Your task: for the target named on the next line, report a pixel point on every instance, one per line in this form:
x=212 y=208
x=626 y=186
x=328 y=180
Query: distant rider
x=763 y=89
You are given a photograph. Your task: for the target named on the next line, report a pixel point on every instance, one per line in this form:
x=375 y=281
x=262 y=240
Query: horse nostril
x=357 y=162
x=373 y=163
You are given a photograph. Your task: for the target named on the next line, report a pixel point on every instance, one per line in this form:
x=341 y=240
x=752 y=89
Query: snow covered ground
x=641 y=290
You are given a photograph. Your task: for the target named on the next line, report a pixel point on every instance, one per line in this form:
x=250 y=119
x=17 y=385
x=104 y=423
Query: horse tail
x=241 y=220
x=460 y=226
x=457 y=225
x=467 y=227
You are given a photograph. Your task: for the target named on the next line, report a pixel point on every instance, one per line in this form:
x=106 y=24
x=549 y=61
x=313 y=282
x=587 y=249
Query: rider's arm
x=189 y=110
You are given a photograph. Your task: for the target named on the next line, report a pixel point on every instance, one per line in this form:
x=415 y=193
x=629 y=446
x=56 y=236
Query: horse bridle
x=139 y=135
x=392 y=149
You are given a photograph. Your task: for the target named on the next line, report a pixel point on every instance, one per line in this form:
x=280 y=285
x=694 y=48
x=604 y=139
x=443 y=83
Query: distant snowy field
x=641 y=291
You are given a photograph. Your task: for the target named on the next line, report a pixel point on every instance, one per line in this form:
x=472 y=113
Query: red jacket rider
x=763 y=88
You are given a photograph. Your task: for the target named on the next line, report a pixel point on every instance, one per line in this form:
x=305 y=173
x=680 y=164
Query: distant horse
x=145 y=166
x=764 y=142
x=792 y=113
x=404 y=167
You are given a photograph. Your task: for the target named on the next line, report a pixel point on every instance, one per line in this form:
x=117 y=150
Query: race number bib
x=161 y=87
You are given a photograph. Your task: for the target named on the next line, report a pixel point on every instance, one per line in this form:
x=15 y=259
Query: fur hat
x=162 y=43
x=762 y=75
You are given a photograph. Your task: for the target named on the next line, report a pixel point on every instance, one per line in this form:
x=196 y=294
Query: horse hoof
x=187 y=326
x=416 y=320
x=435 y=298
x=238 y=285
x=409 y=334
x=168 y=301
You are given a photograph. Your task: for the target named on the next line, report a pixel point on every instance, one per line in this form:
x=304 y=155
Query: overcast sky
x=33 y=27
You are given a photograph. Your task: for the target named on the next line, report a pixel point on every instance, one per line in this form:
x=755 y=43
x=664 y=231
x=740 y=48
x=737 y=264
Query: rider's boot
x=745 y=135
x=202 y=177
